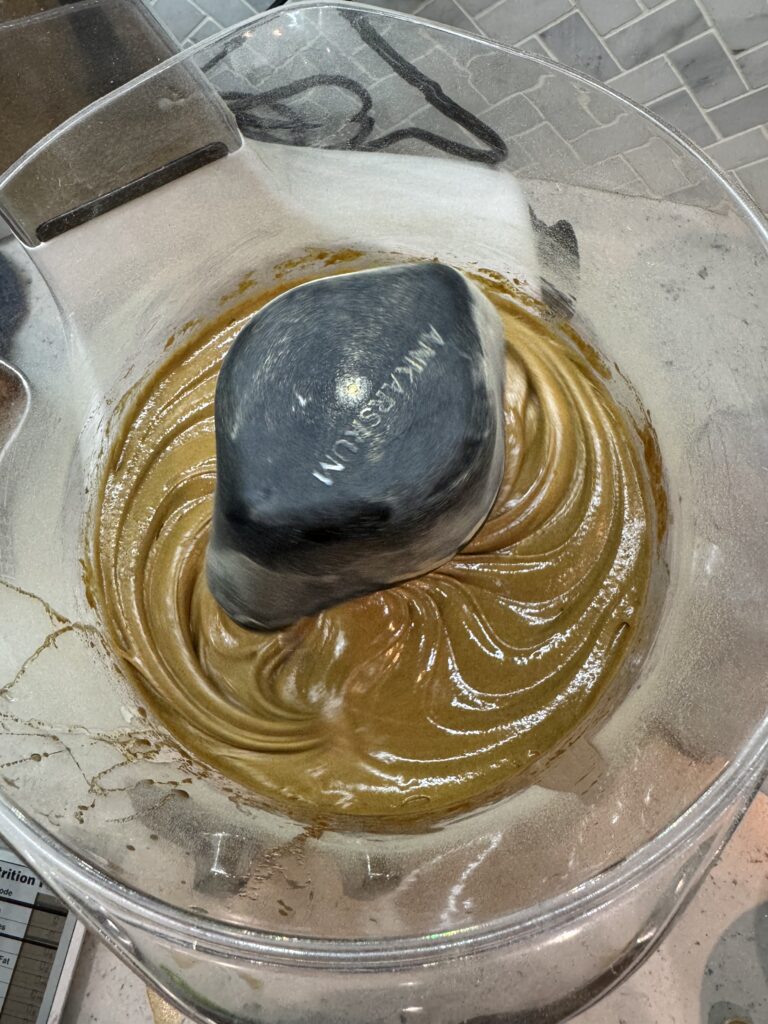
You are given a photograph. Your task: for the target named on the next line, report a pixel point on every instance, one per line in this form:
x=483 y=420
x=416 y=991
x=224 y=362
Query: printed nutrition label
x=32 y=920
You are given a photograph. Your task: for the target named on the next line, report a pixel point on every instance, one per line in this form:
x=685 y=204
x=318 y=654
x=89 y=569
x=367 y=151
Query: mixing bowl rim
x=189 y=929
x=754 y=216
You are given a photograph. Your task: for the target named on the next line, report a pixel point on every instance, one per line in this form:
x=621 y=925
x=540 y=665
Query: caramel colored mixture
x=419 y=700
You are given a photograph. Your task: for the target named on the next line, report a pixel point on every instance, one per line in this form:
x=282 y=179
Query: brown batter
x=419 y=700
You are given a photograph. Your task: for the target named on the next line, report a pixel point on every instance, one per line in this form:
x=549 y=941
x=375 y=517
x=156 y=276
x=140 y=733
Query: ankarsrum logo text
x=401 y=380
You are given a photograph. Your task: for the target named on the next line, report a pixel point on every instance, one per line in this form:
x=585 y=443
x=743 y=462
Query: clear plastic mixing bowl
x=524 y=910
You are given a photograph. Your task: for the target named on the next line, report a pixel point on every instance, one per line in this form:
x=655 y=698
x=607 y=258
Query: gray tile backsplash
x=513 y=20
x=493 y=83
x=491 y=80
x=184 y=18
x=180 y=15
x=606 y=16
x=559 y=104
x=755 y=180
x=660 y=30
x=653 y=164
x=739 y=115
x=205 y=29
x=742 y=23
x=649 y=81
x=516 y=114
x=227 y=12
x=572 y=41
x=447 y=12
x=754 y=65
x=707 y=70
x=740 y=150
x=702 y=65
x=627 y=132
x=681 y=111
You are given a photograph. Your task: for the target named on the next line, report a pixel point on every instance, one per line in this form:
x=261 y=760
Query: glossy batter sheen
x=419 y=700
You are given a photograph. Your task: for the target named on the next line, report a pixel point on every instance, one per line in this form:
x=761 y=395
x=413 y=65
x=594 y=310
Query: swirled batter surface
x=421 y=699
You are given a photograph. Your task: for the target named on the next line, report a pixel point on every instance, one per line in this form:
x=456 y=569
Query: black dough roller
x=359 y=439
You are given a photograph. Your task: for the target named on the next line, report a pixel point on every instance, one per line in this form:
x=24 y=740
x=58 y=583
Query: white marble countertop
x=712 y=968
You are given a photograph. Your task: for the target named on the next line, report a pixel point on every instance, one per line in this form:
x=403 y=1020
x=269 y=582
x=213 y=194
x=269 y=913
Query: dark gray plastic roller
x=359 y=439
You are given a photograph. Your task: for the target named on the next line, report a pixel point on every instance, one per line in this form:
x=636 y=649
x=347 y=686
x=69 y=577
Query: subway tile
x=681 y=112
x=606 y=15
x=742 y=149
x=707 y=70
x=609 y=175
x=657 y=32
x=178 y=16
x=408 y=120
x=447 y=13
x=455 y=80
x=561 y=105
x=755 y=67
x=546 y=150
x=755 y=181
x=226 y=12
x=432 y=120
x=648 y=82
x=298 y=64
x=706 y=194
x=516 y=156
x=393 y=99
x=514 y=116
x=627 y=132
x=472 y=7
x=604 y=109
x=742 y=23
x=659 y=167
x=495 y=79
x=533 y=45
x=634 y=187
x=411 y=41
x=513 y=20
x=612 y=173
x=574 y=43
x=403 y=6
x=203 y=31
x=228 y=80
x=739 y=115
